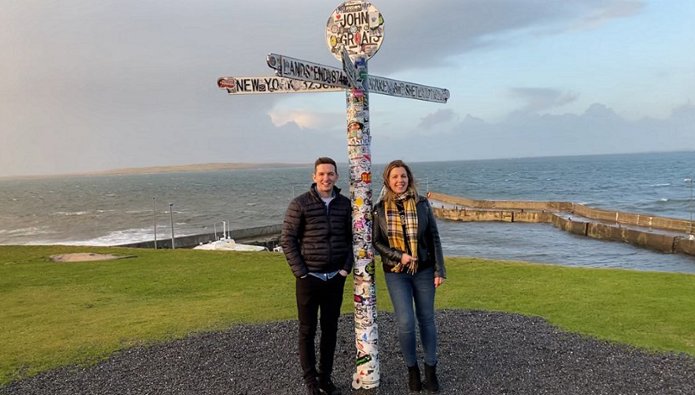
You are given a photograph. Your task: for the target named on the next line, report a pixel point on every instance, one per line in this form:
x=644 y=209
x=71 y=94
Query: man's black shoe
x=312 y=388
x=327 y=386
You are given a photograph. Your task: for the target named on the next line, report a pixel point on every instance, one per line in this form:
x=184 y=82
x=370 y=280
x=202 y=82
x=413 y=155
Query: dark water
x=111 y=210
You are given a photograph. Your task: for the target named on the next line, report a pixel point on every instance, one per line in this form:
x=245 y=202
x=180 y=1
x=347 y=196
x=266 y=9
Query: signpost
x=350 y=69
x=387 y=86
x=354 y=33
x=256 y=85
x=303 y=70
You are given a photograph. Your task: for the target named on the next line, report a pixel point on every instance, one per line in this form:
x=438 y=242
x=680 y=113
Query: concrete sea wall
x=266 y=236
x=669 y=235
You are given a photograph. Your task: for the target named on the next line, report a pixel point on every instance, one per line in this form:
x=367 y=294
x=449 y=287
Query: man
x=317 y=242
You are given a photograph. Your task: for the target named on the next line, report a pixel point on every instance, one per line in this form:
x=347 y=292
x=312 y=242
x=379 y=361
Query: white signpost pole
x=354 y=33
x=360 y=160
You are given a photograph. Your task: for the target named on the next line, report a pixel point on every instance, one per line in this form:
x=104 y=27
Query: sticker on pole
x=358 y=27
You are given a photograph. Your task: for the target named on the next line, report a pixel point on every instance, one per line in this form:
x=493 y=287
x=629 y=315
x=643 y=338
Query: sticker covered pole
x=366 y=329
x=354 y=33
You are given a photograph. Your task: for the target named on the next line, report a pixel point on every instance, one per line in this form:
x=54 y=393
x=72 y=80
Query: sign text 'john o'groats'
x=354 y=33
x=357 y=27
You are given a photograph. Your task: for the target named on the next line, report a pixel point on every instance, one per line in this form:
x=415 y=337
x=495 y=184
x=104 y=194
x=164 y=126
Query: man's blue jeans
x=404 y=290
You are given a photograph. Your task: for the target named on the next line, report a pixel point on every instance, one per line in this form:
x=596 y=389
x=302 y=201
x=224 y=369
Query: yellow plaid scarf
x=395 y=226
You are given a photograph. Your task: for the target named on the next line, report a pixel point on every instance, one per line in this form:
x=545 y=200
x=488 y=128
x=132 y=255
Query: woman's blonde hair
x=389 y=194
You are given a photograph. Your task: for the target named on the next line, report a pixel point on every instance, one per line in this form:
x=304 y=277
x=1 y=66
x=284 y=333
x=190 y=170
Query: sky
x=95 y=85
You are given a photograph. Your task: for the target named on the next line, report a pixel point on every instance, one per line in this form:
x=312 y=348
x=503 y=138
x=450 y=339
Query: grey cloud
x=598 y=130
x=463 y=26
x=98 y=85
x=611 y=10
x=539 y=99
x=438 y=117
x=685 y=113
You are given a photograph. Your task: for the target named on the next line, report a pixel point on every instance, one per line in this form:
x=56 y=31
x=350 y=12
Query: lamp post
x=171 y=215
x=154 y=219
x=689 y=181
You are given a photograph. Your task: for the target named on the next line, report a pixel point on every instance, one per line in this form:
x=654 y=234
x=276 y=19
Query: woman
x=405 y=235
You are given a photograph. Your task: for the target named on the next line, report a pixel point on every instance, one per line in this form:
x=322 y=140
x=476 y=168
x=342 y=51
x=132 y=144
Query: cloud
x=599 y=130
x=303 y=119
x=438 y=117
x=612 y=10
x=685 y=113
x=457 y=27
x=100 y=85
x=539 y=99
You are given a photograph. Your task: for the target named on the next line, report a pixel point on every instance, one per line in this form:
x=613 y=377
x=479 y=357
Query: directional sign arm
x=270 y=84
x=303 y=70
x=298 y=69
x=387 y=86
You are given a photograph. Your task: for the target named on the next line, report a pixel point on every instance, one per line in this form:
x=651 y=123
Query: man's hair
x=324 y=160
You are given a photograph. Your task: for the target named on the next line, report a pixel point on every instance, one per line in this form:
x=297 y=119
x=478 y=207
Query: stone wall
x=618 y=217
x=669 y=235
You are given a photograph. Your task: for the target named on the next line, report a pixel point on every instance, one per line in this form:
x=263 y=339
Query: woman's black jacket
x=429 y=245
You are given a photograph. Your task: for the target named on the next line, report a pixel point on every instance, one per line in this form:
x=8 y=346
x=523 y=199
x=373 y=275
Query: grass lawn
x=54 y=314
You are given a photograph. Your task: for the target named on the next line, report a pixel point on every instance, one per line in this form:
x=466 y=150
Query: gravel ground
x=480 y=353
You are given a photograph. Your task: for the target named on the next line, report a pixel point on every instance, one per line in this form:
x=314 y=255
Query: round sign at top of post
x=356 y=25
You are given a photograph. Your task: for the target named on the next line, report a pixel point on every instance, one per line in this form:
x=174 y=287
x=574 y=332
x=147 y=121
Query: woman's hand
x=438 y=281
x=406 y=259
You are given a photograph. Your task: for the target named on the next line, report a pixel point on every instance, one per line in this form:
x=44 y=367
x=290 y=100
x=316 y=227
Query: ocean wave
x=70 y=213
x=43 y=230
x=138 y=211
x=110 y=239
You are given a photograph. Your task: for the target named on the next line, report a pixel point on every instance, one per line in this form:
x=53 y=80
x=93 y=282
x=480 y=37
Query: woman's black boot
x=431 y=381
x=414 y=383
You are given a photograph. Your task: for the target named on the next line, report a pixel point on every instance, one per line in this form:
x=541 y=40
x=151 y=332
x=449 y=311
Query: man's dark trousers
x=314 y=295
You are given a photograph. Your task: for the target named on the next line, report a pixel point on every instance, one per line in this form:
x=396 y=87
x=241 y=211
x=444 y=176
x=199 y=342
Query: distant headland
x=193 y=168
x=190 y=168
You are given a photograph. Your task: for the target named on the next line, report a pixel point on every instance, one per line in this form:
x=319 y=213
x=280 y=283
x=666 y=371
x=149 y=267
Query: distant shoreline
x=192 y=168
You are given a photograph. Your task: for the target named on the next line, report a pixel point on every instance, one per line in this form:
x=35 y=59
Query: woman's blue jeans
x=405 y=291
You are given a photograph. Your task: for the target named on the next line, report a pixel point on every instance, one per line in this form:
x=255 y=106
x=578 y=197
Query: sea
x=119 y=209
